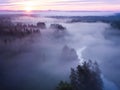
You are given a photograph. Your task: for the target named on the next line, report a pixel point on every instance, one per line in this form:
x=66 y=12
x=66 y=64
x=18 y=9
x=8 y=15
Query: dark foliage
x=85 y=77
x=116 y=24
x=64 y=86
x=10 y=31
x=41 y=25
x=57 y=26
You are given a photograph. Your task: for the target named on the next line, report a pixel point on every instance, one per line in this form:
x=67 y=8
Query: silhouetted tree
x=64 y=86
x=73 y=78
x=86 y=76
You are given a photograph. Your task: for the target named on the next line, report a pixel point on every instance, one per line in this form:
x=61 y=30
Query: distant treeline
x=113 y=20
x=106 y=19
x=115 y=24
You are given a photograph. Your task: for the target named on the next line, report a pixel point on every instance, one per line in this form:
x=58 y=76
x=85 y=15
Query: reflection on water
x=34 y=63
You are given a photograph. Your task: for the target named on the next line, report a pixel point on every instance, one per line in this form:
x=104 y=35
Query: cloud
x=59 y=4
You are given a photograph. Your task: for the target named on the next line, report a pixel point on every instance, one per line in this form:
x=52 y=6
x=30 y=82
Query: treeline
x=10 y=31
x=113 y=20
x=105 y=19
x=86 y=76
x=116 y=24
x=7 y=28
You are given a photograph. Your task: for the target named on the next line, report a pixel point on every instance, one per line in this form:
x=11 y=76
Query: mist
x=40 y=61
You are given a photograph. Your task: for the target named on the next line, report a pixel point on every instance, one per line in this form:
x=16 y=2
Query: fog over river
x=38 y=62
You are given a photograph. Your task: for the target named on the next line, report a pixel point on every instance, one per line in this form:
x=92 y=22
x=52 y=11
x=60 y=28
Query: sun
x=29 y=6
x=28 y=9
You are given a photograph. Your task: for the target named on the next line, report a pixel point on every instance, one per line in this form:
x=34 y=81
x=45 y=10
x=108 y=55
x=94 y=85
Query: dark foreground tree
x=86 y=76
x=64 y=86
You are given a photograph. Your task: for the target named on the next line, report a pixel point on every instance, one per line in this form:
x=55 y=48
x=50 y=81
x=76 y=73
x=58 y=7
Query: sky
x=85 y=5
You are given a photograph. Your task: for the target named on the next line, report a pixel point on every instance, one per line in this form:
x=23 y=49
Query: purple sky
x=102 y=5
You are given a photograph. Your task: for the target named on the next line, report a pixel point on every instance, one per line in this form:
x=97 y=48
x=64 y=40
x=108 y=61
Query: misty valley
x=60 y=51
